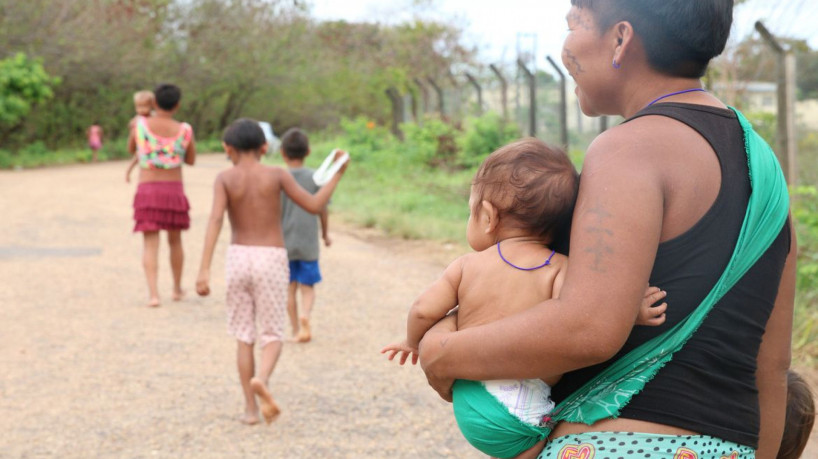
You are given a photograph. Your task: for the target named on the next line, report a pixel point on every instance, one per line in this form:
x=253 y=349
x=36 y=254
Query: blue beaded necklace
x=675 y=94
x=546 y=263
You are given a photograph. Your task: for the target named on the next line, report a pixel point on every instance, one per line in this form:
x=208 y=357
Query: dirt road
x=88 y=371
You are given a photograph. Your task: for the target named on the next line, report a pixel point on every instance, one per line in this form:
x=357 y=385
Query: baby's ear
x=489 y=216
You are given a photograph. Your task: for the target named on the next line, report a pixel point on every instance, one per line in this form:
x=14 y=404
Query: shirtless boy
x=256 y=265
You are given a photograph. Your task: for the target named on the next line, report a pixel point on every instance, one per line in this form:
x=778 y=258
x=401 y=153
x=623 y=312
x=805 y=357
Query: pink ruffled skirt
x=161 y=206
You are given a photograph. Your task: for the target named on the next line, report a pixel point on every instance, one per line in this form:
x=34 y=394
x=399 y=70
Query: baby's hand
x=649 y=314
x=203 y=284
x=401 y=348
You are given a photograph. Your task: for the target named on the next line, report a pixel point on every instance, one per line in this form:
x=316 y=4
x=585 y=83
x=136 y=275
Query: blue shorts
x=305 y=272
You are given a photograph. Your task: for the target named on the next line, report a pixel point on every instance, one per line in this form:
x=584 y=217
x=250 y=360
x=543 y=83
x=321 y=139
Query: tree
x=23 y=83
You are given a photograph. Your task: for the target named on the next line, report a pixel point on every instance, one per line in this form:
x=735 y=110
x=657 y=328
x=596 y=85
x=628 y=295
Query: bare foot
x=154 y=303
x=305 y=335
x=178 y=295
x=249 y=419
x=269 y=409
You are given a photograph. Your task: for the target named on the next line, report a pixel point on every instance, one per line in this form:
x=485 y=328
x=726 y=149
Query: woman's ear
x=623 y=40
x=489 y=217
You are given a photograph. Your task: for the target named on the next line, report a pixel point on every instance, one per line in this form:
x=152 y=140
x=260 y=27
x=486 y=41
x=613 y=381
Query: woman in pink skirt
x=162 y=144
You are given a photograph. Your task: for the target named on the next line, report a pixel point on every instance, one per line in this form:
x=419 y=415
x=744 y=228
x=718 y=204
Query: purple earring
x=615 y=65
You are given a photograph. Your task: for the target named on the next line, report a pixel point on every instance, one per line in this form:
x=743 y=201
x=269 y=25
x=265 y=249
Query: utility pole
x=787 y=142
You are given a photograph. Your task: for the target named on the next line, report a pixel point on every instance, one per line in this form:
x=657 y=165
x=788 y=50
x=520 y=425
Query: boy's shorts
x=305 y=272
x=256 y=293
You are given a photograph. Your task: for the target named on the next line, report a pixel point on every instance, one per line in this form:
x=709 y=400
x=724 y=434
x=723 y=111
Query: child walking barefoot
x=522 y=196
x=94 y=134
x=162 y=144
x=256 y=264
x=301 y=237
x=144 y=103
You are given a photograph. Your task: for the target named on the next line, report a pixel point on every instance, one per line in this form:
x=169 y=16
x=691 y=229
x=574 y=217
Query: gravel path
x=88 y=371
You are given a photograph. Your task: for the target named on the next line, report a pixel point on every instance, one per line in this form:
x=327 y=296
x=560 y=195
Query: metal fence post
x=532 y=96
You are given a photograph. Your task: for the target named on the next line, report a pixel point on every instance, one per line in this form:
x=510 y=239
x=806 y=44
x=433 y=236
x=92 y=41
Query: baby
x=522 y=196
x=143 y=102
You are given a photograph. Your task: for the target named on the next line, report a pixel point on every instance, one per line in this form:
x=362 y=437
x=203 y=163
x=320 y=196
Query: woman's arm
x=774 y=360
x=615 y=233
x=190 y=154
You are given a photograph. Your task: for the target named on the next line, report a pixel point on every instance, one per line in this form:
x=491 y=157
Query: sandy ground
x=88 y=371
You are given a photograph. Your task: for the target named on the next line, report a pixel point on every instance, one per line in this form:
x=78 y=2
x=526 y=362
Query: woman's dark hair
x=533 y=186
x=245 y=135
x=295 y=143
x=800 y=417
x=167 y=96
x=680 y=36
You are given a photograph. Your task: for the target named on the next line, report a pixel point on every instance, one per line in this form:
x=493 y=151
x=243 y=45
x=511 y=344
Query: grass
x=388 y=191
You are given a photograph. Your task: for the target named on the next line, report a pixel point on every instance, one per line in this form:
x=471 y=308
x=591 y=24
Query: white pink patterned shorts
x=257 y=279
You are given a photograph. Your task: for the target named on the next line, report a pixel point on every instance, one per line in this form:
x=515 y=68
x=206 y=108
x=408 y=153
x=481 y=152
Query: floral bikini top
x=156 y=152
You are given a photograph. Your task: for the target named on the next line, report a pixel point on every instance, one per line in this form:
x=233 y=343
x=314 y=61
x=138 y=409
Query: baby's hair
x=167 y=96
x=533 y=186
x=800 y=417
x=295 y=143
x=143 y=99
x=245 y=135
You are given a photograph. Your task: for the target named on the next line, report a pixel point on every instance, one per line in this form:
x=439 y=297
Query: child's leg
x=269 y=358
x=307 y=300
x=246 y=365
x=177 y=260
x=150 y=262
x=292 y=306
x=271 y=284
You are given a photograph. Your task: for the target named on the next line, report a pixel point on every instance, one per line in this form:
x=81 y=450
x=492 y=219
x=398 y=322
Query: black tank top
x=710 y=385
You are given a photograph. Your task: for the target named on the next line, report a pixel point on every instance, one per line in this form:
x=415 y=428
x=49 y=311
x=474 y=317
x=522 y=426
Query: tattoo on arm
x=601 y=246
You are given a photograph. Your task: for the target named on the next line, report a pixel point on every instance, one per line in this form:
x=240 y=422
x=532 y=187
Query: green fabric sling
x=604 y=396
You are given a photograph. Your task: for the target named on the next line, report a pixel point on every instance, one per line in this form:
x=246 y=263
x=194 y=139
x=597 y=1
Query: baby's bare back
x=254 y=204
x=491 y=289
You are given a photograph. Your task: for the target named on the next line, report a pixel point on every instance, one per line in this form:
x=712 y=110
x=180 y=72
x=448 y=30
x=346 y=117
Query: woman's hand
x=431 y=349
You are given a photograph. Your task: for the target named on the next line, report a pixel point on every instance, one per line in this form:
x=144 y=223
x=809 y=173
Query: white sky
x=494 y=25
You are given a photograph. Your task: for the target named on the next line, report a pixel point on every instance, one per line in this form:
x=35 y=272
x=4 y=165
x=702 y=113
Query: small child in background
x=800 y=417
x=522 y=197
x=256 y=264
x=143 y=102
x=301 y=236
x=94 y=134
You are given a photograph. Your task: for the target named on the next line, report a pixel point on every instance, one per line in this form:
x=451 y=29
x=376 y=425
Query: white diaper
x=527 y=399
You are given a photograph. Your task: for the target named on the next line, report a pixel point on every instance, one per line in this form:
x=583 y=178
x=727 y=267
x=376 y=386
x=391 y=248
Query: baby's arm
x=650 y=314
x=312 y=203
x=214 y=227
x=427 y=310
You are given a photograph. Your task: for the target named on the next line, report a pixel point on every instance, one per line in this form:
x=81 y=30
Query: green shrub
x=365 y=137
x=805 y=323
x=483 y=135
x=432 y=143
